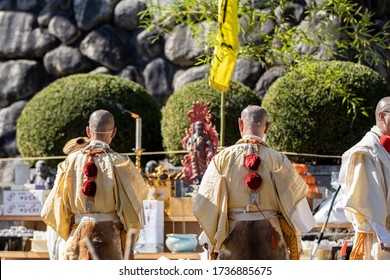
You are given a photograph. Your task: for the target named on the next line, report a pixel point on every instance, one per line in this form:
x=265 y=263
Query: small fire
x=134 y=115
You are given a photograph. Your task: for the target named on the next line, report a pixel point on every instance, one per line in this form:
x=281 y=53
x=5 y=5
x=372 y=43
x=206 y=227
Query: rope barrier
x=63 y=157
x=310 y=155
x=31 y=158
x=158 y=153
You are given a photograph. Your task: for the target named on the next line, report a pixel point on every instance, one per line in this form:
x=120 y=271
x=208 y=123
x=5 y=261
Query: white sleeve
x=302 y=218
x=202 y=239
x=381 y=231
x=52 y=243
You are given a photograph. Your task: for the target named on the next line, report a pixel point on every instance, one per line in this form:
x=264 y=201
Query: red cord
x=273 y=230
x=343 y=251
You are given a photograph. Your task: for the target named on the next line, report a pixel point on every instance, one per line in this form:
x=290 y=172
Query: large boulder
x=64 y=29
x=91 y=13
x=19 y=79
x=158 y=79
x=148 y=45
x=52 y=8
x=8 y=117
x=65 y=60
x=21 y=38
x=131 y=73
x=248 y=72
x=107 y=46
x=126 y=13
x=184 y=77
x=266 y=80
x=181 y=47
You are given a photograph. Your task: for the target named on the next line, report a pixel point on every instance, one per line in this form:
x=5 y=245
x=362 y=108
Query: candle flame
x=134 y=115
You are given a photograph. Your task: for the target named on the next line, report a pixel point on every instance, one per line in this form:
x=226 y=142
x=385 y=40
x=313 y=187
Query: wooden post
x=138 y=154
x=130 y=243
x=222 y=128
x=91 y=248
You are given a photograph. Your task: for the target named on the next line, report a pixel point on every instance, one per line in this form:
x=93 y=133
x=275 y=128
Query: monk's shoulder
x=229 y=153
x=118 y=157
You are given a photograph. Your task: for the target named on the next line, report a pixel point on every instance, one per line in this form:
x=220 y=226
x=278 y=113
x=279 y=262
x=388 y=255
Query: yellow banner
x=225 y=52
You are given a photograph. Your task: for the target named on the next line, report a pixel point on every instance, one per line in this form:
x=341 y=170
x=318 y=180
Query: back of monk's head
x=383 y=105
x=254 y=115
x=254 y=121
x=381 y=115
x=101 y=121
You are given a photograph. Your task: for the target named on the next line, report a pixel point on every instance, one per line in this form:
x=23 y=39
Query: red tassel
x=273 y=230
x=343 y=251
x=273 y=244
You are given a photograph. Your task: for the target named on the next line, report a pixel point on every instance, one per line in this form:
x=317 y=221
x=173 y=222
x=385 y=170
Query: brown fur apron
x=251 y=240
x=105 y=237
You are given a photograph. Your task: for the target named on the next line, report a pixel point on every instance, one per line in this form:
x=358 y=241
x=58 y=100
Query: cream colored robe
x=120 y=189
x=365 y=179
x=223 y=187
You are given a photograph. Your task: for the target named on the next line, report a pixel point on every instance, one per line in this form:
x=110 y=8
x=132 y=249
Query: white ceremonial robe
x=223 y=192
x=119 y=193
x=365 y=181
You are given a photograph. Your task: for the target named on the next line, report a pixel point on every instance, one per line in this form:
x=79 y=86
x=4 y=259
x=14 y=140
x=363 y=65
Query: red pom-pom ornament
x=385 y=141
x=89 y=188
x=252 y=161
x=253 y=181
x=90 y=169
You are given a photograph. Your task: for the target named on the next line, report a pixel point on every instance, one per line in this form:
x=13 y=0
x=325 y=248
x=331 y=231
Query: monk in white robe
x=365 y=180
x=106 y=215
x=244 y=220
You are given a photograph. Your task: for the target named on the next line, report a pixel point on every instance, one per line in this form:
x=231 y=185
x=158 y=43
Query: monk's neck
x=252 y=137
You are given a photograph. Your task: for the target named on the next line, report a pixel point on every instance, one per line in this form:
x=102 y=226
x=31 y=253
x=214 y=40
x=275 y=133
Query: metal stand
x=314 y=250
x=138 y=154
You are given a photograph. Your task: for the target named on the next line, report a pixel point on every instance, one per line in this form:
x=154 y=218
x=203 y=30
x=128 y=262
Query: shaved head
x=253 y=114
x=254 y=121
x=382 y=113
x=383 y=105
x=101 y=121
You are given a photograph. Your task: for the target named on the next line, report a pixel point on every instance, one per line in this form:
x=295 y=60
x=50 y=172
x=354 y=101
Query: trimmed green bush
x=309 y=115
x=174 y=114
x=61 y=111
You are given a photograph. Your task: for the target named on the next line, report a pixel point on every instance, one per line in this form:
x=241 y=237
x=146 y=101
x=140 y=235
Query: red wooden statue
x=202 y=142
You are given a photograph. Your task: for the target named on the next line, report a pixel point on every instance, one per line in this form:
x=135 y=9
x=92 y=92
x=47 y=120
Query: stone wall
x=43 y=40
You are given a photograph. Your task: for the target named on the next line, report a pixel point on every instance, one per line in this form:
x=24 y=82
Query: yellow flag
x=225 y=52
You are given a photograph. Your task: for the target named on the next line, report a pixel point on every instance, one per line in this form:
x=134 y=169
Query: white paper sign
x=151 y=238
x=22 y=173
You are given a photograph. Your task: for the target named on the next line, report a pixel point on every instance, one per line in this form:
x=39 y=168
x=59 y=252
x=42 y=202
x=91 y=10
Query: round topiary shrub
x=311 y=107
x=174 y=114
x=61 y=112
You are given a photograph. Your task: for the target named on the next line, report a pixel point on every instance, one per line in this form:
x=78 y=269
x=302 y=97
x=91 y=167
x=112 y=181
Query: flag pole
x=222 y=129
x=225 y=54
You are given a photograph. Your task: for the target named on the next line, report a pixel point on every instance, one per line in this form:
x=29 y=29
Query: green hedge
x=61 y=111
x=308 y=113
x=174 y=114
